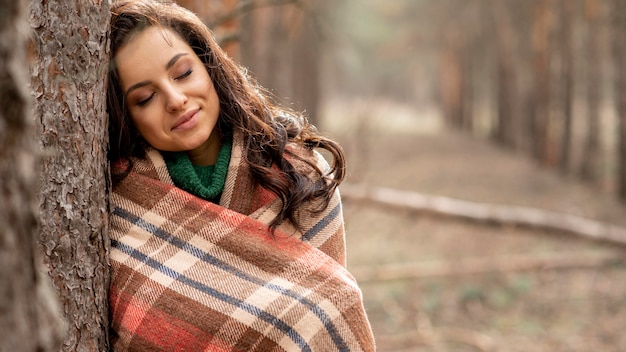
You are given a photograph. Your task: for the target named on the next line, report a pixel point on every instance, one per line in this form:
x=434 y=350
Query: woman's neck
x=207 y=153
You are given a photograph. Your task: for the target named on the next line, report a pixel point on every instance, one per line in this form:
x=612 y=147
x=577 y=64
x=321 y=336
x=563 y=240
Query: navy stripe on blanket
x=322 y=223
x=206 y=257
x=258 y=312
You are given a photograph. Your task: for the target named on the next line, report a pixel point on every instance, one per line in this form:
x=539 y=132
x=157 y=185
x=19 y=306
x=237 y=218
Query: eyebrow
x=168 y=65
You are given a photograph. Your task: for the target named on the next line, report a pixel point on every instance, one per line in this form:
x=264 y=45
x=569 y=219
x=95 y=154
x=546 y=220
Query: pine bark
x=68 y=81
x=29 y=316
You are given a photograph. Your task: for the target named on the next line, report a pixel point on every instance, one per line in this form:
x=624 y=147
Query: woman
x=227 y=232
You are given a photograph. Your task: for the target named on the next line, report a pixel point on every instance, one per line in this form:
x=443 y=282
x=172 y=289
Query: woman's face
x=170 y=95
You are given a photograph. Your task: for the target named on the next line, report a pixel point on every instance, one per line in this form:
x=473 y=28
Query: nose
x=176 y=99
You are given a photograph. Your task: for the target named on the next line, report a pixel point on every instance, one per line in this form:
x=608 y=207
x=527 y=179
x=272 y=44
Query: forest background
x=499 y=103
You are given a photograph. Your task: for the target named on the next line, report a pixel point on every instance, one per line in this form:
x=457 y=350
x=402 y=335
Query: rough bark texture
x=68 y=82
x=29 y=318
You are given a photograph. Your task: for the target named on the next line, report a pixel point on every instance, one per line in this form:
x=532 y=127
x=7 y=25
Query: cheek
x=143 y=125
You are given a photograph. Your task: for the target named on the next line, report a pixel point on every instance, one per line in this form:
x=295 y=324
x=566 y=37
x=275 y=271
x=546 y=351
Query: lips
x=186 y=120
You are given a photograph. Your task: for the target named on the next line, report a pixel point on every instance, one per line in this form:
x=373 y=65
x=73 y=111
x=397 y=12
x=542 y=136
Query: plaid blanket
x=190 y=275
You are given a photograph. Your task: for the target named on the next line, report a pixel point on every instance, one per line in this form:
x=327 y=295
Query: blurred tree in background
x=549 y=81
x=539 y=77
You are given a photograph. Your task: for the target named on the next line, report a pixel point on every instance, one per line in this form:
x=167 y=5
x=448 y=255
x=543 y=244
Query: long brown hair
x=244 y=106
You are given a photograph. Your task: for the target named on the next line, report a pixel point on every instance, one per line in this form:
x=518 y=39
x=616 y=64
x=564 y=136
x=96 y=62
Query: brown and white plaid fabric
x=190 y=275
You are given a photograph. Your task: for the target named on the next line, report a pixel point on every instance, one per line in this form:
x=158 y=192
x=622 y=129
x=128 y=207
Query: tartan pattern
x=190 y=275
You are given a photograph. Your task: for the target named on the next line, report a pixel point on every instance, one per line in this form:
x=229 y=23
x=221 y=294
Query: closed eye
x=145 y=101
x=185 y=75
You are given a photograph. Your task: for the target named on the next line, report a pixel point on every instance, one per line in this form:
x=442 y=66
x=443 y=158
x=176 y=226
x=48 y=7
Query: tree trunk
x=507 y=81
x=29 y=316
x=591 y=149
x=68 y=81
x=305 y=63
x=452 y=85
x=468 y=91
x=567 y=82
x=619 y=47
x=541 y=44
x=264 y=48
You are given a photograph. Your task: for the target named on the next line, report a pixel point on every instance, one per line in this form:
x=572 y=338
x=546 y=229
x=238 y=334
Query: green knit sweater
x=206 y=182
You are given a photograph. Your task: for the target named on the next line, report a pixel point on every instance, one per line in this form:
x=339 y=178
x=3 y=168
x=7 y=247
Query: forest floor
x=573 y=300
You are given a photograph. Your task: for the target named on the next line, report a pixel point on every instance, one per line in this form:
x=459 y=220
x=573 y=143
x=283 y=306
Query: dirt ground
x=577 y=306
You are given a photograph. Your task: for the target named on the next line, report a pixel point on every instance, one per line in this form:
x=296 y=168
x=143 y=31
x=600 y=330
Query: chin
x=198 y=143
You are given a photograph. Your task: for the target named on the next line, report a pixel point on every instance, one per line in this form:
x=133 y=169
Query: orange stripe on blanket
x=162 y=330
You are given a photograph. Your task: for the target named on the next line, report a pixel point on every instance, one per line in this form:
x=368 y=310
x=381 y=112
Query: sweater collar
x=206 y=182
